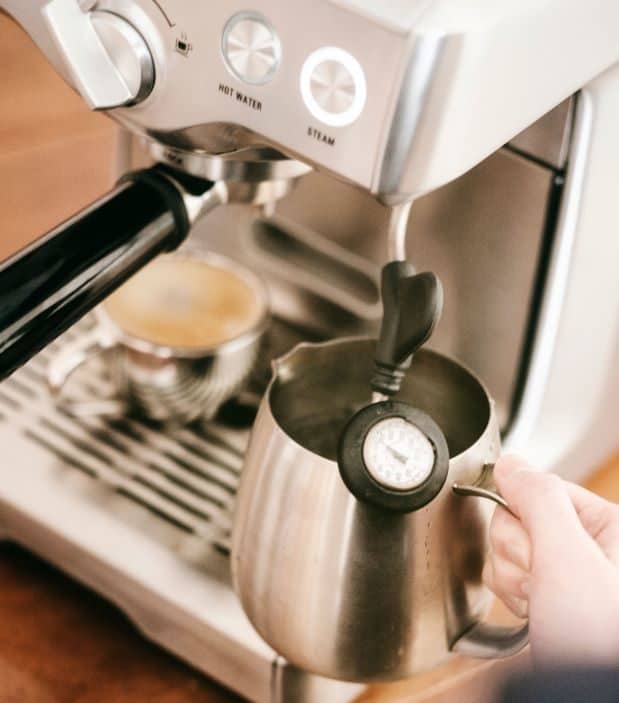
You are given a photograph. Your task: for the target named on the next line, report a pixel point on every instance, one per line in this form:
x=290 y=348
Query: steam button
x=333 y=86
x=251 y=48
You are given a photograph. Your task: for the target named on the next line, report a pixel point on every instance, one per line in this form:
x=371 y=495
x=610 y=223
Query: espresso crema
x=186 y=302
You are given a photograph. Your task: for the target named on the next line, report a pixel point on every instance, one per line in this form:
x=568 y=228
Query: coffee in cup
x=182 y=301
x=182 y=336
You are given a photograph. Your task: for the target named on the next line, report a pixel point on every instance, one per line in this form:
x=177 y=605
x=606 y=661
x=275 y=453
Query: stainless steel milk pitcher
x=342 y=588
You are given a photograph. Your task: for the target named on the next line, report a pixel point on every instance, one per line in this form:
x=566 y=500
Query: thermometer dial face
x=397 y=454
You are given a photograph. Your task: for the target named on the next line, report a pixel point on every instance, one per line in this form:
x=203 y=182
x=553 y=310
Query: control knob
x=108 y=59
x=333 y=86
x=251 y=48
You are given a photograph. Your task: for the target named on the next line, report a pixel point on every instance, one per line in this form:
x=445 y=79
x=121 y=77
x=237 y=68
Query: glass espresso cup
x=181 y=338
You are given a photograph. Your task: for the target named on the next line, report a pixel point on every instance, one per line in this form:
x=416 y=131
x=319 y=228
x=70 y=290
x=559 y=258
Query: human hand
x=558 y=564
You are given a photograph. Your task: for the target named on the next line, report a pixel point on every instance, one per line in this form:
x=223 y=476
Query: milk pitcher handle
x=485 y=640
x=67 y=362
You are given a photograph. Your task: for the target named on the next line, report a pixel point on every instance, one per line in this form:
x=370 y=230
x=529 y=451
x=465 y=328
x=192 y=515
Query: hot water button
x=251 y=48
x=333 y=86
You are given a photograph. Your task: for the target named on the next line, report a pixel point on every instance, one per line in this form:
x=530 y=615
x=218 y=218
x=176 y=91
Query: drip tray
x=187 y=477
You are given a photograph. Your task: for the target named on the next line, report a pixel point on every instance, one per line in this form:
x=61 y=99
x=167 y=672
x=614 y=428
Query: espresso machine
x=474 y=139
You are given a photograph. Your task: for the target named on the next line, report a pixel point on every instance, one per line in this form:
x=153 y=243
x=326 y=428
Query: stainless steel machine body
x=508 y=144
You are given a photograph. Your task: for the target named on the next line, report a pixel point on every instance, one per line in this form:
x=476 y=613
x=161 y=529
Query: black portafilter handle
x=412 y=306
x=52 y=283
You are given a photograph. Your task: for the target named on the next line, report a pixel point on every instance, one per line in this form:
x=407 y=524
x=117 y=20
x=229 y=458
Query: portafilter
x=53 y=282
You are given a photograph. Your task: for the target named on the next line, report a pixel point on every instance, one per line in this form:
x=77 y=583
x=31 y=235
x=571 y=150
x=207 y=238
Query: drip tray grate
x=186 y=476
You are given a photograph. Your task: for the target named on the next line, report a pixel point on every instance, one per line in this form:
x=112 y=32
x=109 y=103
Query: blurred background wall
x=55 y=155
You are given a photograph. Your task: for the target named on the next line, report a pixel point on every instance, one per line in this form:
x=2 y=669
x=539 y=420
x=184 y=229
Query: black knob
x=412 y=306
x=424 y=461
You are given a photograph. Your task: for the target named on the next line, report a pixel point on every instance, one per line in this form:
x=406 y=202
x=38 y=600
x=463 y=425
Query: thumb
x=543 y=504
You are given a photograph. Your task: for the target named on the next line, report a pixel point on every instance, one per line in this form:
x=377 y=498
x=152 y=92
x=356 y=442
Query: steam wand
x=389 y=370
x=396 y=231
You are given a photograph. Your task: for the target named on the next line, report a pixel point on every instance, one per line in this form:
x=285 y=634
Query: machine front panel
x=312 y=78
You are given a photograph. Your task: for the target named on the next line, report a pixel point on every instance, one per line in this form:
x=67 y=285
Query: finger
x=599 y=517
x=519 y=607
x=508 y=463
x=508 y=579
x=509 y=593
x=509 y=540
x=594 y=511
x=487 y=574
x=543 y=504
x=584 y=499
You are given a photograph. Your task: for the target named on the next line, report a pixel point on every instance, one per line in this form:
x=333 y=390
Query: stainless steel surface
x=314 y=282
x=397 y=231
x=483 y=640
x=293 y=685
x=484 y=235
x=257 y=193
x=129 y=53
x=165 y=383
x=557 y=283
x=251 y=48
x=197 y=206
x=261 y=194
x=107 y=57
x=339 y=588
x=408 y=116
x=412 y=119
x=332 y=86
x=187 y=476
x=482 y=488
x=248 y=164
x=548 y=139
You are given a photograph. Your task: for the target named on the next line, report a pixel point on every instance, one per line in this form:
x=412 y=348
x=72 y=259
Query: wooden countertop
x=60 y=643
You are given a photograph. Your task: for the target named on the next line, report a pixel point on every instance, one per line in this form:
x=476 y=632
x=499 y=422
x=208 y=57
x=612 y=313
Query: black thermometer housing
x=358 y=478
